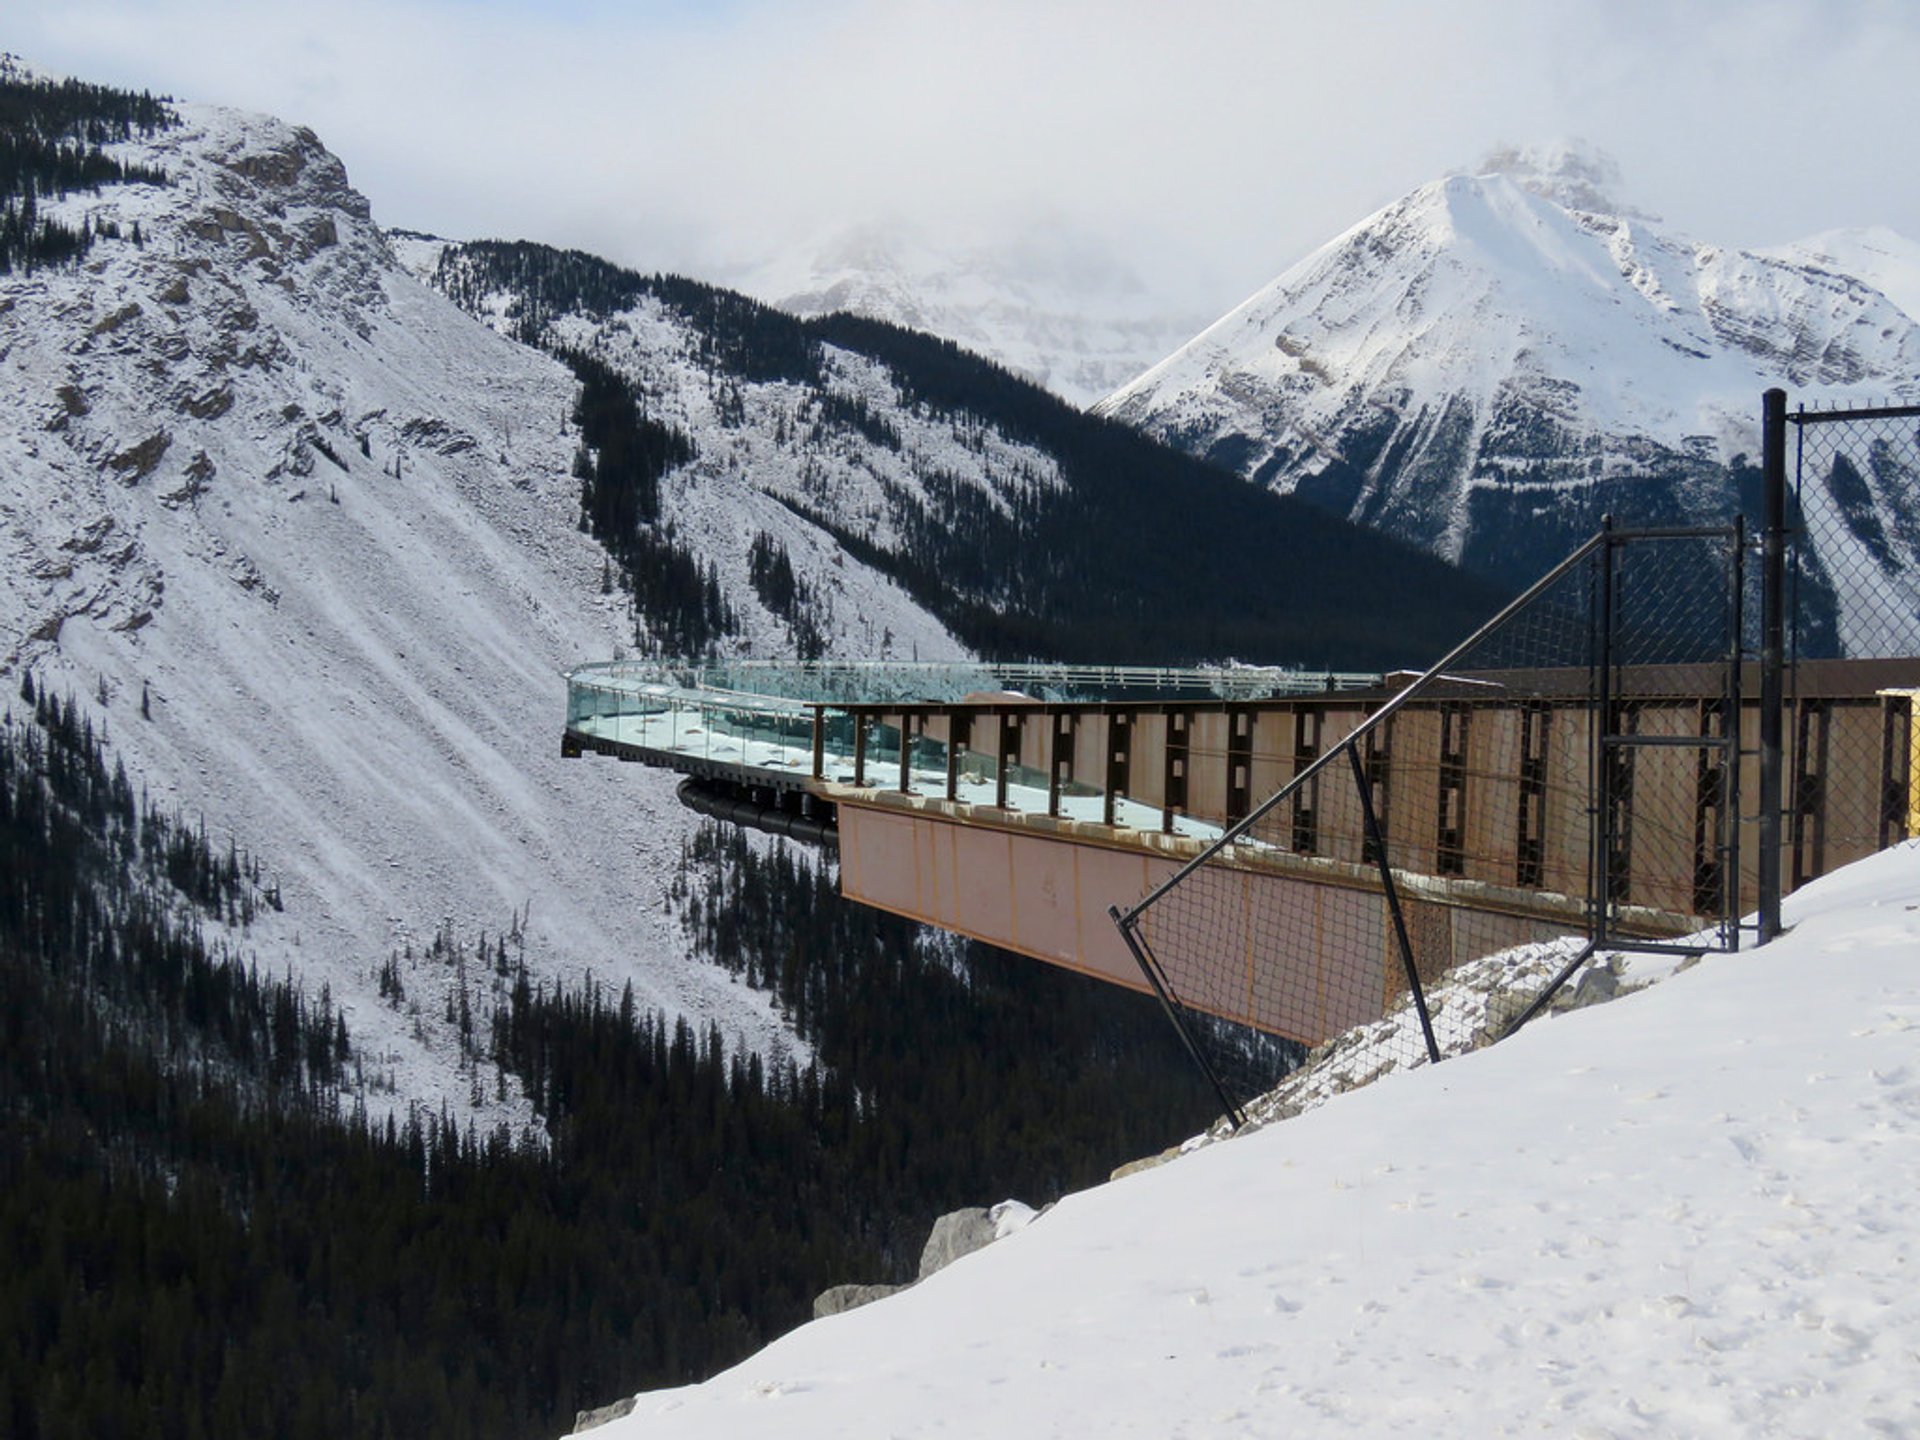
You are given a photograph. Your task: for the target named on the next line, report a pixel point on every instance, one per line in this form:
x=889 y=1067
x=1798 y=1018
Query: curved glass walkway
x=821 y=725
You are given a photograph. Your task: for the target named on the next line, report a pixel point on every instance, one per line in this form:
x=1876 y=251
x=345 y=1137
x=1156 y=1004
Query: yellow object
x=1912 y=697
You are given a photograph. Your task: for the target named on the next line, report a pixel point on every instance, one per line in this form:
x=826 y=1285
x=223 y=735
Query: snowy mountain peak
x=1487 y=365
x=1571 y=173
x=1883 y=258
x=1056 y=307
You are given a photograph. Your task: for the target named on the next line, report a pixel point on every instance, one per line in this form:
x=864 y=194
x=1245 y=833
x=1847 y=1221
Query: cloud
x=1210 y=145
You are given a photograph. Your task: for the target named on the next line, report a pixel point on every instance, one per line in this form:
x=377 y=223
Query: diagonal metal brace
x=1377 y=843
x=1177 y=1013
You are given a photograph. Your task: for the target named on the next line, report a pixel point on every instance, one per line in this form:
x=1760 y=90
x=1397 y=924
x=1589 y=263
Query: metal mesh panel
x=1566 y=772
x=1855 y=597
x=1856 y=497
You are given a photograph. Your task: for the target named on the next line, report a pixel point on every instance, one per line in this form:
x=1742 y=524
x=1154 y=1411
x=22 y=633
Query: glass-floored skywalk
x=822 y=726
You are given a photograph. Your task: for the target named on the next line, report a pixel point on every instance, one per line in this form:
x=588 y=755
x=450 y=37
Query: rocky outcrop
x=955 y=1234
x=842 y=1298
x=1473 y=1005
x=593 y=1419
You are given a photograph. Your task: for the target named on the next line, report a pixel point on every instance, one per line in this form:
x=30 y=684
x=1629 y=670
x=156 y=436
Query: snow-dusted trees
x=51 y=134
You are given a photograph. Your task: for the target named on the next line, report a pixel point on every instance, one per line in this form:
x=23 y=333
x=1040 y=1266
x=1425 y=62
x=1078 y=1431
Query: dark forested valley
x=210 y=1235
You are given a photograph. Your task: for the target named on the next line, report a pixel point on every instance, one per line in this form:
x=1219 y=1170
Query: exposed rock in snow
x=957 y=1234
x=327 y=522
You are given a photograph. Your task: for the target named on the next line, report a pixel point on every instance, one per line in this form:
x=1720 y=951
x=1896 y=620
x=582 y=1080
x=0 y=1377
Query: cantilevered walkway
x=1018 y=803
x=1011 y=803
x=1020 y=739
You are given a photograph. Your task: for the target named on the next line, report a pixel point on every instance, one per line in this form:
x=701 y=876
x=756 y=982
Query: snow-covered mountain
x=1489 y=364
x=1683 y=1213
x=1059 y=310
x=309 y=539
x=1021 y=524
x=1885 y=259
x=320 y=526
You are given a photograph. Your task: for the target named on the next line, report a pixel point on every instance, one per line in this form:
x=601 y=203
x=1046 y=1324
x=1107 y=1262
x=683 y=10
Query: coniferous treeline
x=770 y=572
x=738 y=336
x=1146 y=554
x=51 y=134
x=107 y=891
x=1138 y=554
x=981 y=1074
x=624 y=453
x=211 y=1237
x=200 y=1245
x=620 y=478
x=680 y=607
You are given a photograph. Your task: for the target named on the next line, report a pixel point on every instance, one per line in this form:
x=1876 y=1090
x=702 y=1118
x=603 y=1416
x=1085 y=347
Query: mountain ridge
x=1050 y=306
x=314 y=542
x=1484 y=371
x=299 y=510
x=1026 y=527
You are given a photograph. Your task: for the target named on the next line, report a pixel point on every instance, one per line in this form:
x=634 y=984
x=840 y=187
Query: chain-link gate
x=1573 y=773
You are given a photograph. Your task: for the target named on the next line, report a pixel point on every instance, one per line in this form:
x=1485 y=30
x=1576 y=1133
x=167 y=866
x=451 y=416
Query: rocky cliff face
x=303 y=538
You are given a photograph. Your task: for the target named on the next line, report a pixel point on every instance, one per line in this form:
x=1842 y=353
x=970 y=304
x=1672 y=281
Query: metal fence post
x=1773 y=571
x=1601 y=799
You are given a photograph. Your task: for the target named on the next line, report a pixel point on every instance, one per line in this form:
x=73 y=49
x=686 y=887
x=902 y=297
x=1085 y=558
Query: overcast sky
x=1206 y=143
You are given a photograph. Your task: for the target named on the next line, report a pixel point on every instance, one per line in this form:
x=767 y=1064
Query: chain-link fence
x=1570 y=771
x=1854 y=615
x=1570 y=778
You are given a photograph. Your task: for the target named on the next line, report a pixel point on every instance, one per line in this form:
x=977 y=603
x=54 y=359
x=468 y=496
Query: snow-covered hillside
x=1487 y=365
x=308 y=538
x=1885 y=259
x=764 y=448
x=893 y=470
x=1685 y=1213
x=1056 y=309
x=322 y=523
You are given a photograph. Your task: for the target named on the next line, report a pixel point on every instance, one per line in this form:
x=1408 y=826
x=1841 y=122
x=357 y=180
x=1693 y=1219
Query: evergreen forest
x=1099 y=569
x=677 y=601
x=51 y=139
x=214 y=1231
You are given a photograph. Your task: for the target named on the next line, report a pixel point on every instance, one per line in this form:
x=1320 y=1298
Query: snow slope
x=1885 y=259
x=1689 y=1212
x=324 y=521
x=760 y=450
x=1487 y=365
